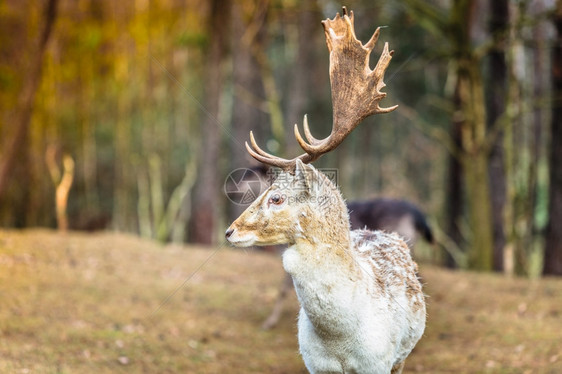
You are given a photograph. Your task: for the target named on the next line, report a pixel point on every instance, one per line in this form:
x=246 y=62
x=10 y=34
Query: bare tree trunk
x=539 y=127
x=473 y=133
x=523 y=140
x=88 y=95
x=248 y=111
x=206 y=199
x=478 y=196
x=123 y=179
x=553 y=245
x=304 y=76
x=496 y=100
x=26 y=98
x=454 y=194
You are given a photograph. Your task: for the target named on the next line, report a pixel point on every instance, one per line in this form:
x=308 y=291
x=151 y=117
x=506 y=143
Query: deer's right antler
x=355 y=91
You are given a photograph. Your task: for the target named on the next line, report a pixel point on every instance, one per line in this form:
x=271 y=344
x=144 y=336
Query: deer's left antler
x=356 y=91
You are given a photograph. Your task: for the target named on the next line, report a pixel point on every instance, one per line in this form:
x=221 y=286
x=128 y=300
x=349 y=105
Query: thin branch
x=431 y=131
x=503 y=121
x=452 y=248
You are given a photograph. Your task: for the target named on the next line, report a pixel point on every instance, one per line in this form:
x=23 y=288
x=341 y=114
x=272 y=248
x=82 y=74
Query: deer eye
x=276 y=199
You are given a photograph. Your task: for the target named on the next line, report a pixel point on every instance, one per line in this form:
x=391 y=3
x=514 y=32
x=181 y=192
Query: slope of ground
x=109 y=303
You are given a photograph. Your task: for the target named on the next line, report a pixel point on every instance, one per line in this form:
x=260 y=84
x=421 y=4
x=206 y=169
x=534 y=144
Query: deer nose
x=229 y=232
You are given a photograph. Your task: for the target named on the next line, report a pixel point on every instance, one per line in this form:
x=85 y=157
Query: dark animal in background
x=389 y=215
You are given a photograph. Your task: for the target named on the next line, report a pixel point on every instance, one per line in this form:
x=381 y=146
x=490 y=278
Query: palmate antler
x=355 y=91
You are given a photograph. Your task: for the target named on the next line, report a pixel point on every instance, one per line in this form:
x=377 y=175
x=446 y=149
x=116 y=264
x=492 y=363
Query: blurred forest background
x=130 y=115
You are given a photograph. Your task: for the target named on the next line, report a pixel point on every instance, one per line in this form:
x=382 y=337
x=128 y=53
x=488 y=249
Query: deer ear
x=301 y=176
x=306 y=175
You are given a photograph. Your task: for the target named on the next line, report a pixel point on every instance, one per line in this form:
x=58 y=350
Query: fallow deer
x=390 y=215
x=362 y=306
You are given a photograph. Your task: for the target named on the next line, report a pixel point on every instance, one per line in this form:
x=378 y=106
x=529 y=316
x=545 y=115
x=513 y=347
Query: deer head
x=287 y=211
x=301 y=194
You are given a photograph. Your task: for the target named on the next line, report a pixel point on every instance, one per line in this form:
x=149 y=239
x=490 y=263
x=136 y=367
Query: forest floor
x=112 y=303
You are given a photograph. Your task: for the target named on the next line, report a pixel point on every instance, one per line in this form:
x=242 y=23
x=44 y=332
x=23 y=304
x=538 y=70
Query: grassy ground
x=109 y=303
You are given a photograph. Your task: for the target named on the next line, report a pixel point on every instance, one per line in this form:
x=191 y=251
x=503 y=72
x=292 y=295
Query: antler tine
x=311 y=139
x=304 y=145
x=258 y=150
x=378 y=75
x=308 y=148
x=262 y=156
x=283 y=164
x=371 y=43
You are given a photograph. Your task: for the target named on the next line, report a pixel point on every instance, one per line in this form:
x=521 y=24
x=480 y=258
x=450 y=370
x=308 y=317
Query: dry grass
x=109 y=303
